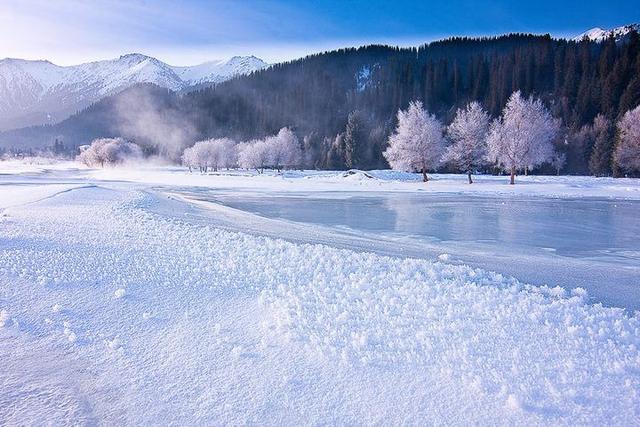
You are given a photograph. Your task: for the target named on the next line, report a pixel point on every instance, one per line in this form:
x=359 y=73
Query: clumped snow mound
x=356 y=175
x=226 y=328
x=508 y=343
x=352 y=175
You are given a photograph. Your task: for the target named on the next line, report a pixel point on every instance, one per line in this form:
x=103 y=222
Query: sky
x=188 y=32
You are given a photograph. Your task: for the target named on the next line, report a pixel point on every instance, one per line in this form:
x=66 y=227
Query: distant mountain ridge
x=598 y=34
x=40 y=92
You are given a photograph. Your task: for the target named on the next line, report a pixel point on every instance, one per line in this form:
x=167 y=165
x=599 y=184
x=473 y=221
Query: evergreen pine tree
x=355 y=140
x=600 y=161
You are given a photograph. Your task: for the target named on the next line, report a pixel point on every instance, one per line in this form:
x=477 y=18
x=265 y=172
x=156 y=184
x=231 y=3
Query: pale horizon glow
x=70 y=32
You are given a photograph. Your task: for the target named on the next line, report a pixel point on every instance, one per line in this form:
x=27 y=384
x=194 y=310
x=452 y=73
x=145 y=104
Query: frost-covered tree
x=468 y=132
x=195 y=157
x=231 y=155
x=558 y=160
x=109 y=151
x=190 y=158
x=277 y=151
x=254 y=155
x=284 y=149
x=219 y=153
x=210 y=153
x=627 y=154
x=417 y=143
x=522 y=137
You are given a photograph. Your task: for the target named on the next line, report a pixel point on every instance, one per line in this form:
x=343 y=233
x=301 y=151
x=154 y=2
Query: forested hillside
x=346 y=100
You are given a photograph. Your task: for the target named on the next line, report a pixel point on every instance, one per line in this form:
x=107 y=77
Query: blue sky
x=193 y=31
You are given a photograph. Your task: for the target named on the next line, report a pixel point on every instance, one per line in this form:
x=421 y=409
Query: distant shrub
x=108 y=151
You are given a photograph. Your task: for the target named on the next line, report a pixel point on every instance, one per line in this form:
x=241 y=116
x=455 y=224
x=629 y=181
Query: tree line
x=342 y=105
x=522 y=138
x=278 y=151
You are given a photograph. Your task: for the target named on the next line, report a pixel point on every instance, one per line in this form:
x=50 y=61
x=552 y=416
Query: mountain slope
x=598 y=34
x=39 y=92
x=219 y=71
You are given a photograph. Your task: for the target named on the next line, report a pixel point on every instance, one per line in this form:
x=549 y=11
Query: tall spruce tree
x=355 y=141
x=600 y=161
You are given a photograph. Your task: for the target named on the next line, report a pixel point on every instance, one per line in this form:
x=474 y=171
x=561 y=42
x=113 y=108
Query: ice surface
x=575 y=227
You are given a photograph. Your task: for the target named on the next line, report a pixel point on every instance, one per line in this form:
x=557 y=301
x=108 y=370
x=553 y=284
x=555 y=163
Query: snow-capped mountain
x=39 y=92
x=219 y=71
x=599 y=34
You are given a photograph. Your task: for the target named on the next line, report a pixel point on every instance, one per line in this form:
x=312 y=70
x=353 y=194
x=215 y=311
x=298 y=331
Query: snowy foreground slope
x=118 y=305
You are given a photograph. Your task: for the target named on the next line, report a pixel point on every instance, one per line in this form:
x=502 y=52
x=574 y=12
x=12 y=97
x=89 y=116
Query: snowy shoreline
x=538 y=266
x=564 y=186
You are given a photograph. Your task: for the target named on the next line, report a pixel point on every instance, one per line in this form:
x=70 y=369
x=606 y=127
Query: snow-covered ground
x=383 y=180
x=126 y=297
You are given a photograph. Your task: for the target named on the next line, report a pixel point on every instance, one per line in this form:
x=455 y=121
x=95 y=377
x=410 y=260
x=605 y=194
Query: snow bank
x=385 y=180
x=152 y=173
x=257 y=330
x=488 y=335
x=356 y=175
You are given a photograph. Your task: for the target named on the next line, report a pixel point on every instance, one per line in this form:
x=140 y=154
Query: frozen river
x=592 y=243
x=579 y=228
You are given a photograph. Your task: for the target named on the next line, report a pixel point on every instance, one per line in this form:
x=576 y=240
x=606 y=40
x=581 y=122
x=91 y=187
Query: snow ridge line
x=58 y=193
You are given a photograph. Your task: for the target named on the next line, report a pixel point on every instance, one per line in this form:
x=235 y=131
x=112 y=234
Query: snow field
x=12 y=196
x=220 y=327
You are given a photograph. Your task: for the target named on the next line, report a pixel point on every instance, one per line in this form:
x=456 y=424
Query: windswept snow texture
x=120 y=305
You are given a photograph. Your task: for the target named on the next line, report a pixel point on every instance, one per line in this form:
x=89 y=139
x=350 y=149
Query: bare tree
x=312 y=144
x=558 y=160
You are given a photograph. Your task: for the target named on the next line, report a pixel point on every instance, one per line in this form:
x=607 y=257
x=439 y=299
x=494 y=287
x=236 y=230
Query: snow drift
x=224 y=327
